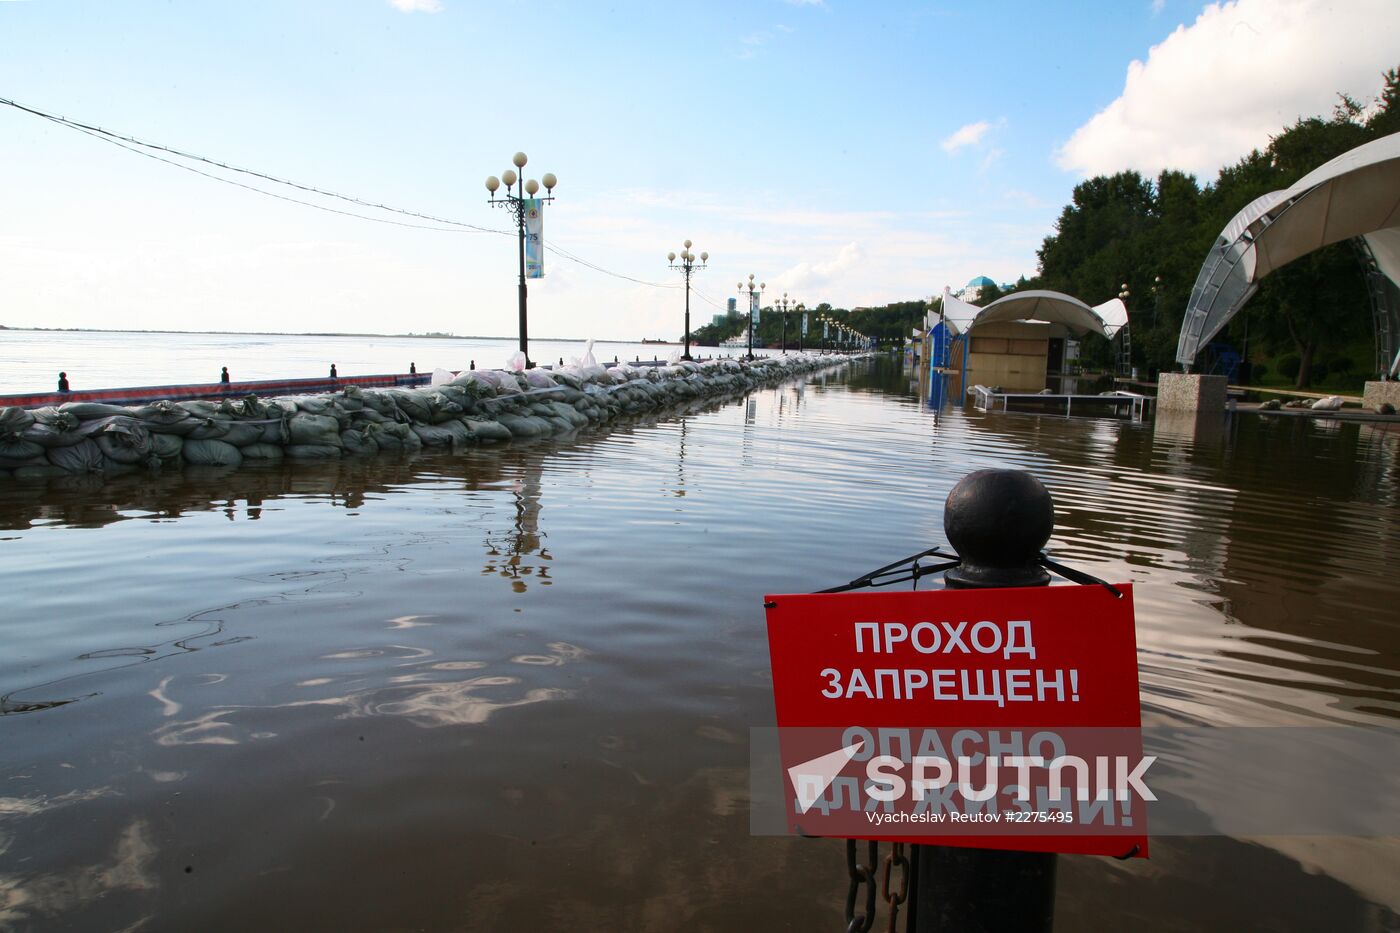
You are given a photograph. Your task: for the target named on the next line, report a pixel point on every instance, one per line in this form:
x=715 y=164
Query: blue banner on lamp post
x=534 y=238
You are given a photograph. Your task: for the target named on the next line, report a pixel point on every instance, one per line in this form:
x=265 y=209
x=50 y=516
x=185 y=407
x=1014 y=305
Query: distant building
x=733 y=308
x=719 y=319
x=972 y=289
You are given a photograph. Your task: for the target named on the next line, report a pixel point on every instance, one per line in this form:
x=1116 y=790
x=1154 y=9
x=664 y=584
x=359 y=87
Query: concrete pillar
x=1190 y=392
x=1377 y=393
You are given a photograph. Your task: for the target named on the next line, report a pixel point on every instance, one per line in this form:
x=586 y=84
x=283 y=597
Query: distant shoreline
x=273 y=333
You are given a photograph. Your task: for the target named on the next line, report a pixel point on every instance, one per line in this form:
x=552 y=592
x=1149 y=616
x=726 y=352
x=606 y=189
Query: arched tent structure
x=1036 y=305
x=1022 y=340
x=1356 y=195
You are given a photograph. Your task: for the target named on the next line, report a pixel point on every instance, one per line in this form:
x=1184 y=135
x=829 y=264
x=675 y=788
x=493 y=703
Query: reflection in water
x=382 y=716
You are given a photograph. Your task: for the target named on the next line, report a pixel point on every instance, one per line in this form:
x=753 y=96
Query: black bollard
x=223 y=375
x=412 y=369
x=333 y=375
x=63 y=382
x=614 y=358
x=473 y=365
x=997 y=521
x=561 y=361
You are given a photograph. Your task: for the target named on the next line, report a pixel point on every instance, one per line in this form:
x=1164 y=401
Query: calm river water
x=512 y=689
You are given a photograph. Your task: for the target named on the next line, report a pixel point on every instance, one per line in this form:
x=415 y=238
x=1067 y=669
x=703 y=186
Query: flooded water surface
x=512 y=689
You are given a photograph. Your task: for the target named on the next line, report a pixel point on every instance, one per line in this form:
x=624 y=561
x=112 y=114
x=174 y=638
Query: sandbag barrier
x=481 y=406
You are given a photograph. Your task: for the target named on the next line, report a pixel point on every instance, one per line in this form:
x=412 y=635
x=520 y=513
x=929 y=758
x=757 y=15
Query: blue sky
x=848 y=152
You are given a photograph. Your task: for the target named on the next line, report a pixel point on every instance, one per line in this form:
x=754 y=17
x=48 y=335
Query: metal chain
x=861 y=875
x=896 y=859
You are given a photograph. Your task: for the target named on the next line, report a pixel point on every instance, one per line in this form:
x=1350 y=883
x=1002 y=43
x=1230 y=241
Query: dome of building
x=979 y=281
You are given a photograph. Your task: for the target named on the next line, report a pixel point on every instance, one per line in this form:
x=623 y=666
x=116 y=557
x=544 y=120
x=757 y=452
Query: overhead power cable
x=138 y=146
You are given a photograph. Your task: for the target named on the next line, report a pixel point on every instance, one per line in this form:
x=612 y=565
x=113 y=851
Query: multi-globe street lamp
x=685 y=264
x=801 y=325
x=752 y=307
x=784 y=304
x=525 y=210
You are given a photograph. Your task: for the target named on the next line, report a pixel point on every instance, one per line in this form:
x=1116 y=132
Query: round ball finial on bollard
x=998 y=521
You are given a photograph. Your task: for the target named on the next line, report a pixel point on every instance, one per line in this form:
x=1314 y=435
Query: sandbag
x=382 y=403
x=313 y=451
x=314 y=430
x=207 y=429
x=357 y=444
x=487 y=430
x=247 y=408
x=49 y=436
x=242 y=433
x=441 y=408
x=520 y=425
x=261 y=452
x=539 y=379
x=19 y=452
x=391 y=436
x=165 y=417
x=84 y=411
x=167 y=446
x=14 y=420
x=447 y=434
x=569 y=413
x=211 y=453
x=413 y=404
x=82 y=457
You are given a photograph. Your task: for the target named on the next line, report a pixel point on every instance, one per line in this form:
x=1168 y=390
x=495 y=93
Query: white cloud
x=969 y=135
x=808 y=276
x=1212 y=91
x=417 y=6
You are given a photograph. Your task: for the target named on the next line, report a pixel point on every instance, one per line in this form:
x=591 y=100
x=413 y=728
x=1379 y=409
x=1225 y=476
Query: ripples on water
x=512 y=688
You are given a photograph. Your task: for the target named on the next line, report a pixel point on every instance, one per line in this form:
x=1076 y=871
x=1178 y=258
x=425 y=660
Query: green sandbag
x=313 y=451
x=381 y=403
x=14 y=420
x=560 y=425
x=19 y=452
x=261 y=452
x=242 y=433
x=85 y=411
x=447 y=434
x=441 y=408
x=275 y=432
x=207 y=429
x=413 y=404
x=520 y=425
x=211 y=453
x=249 y=408
x=487 y=430
x=357 y=444
x=393 y=436
x=166 y=446
x=569 y=413
x=314 y=430
x=119 y=449
x=83 y=457
x=165 y=417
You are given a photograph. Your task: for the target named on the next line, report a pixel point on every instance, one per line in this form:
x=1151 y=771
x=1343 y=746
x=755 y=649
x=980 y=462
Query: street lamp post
x=751 y=287
x=687 y=267
x=784 y=305
x=519 y=206
x=801 y=325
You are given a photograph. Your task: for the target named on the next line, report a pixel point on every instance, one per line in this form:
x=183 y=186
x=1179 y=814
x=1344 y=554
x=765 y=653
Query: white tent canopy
x=1037 y=305
x=1356 y=194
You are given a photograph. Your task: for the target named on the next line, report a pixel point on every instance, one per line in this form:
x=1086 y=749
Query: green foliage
x=1152 y=235
x=1289 y=365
